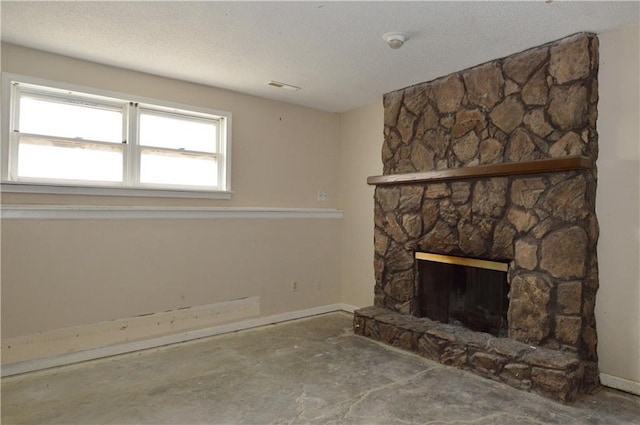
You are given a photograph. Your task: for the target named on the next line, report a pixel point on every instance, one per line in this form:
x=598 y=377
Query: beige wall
x=360 y=143
x=617 y=205
x=62 y=273
x=282 y=154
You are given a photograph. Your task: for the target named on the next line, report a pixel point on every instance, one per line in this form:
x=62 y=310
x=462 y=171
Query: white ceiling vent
x=283 y=85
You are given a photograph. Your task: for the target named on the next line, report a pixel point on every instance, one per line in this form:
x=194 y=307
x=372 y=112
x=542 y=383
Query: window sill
x=46 y=189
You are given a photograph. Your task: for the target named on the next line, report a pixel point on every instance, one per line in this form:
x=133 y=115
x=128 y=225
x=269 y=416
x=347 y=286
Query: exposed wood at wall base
x=96 y=353
x=130 y=329
x=567 y=163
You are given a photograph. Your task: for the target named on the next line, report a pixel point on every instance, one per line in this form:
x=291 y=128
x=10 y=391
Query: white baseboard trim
x=96 y=353
x=348 y=308
x=621 y=384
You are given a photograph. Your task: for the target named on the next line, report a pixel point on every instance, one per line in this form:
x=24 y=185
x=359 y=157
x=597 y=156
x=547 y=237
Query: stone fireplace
x=496 y=162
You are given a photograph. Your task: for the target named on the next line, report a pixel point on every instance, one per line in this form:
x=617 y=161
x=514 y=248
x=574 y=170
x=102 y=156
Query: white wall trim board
x=78 y=212
x=621 y=384
x=96 y=353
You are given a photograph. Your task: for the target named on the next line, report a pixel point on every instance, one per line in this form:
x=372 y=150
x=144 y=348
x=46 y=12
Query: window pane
x=175 y=132
x=51 y=118
x=66 y=160
x=178 y=169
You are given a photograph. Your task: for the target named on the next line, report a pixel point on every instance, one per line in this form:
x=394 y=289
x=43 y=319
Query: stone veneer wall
x=537 y=104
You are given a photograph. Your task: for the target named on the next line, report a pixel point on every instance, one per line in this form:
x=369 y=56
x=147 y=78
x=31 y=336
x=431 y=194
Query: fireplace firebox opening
x=469 y=292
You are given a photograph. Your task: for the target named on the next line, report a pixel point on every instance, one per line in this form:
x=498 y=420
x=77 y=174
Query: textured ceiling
x=333 y=50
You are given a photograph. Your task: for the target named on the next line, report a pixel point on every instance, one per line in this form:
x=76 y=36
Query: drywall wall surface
x=282 y=154
x=360 y=140
x=63 y=273
x=58 y=274
x=617 y=205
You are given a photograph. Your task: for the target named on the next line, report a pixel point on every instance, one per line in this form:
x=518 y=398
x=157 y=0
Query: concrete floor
x=312 y=371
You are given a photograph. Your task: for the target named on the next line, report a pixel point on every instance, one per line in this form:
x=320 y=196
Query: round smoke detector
x=395 y=39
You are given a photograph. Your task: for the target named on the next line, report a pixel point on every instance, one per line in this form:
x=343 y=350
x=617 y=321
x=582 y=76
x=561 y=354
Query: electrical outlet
x=318 y=285
x=294 y=286
x=323 y=196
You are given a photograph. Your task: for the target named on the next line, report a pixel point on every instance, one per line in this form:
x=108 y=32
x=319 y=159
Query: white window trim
x=108 y=190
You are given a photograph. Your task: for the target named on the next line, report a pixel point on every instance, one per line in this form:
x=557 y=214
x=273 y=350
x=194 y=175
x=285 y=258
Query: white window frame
x=130 y=105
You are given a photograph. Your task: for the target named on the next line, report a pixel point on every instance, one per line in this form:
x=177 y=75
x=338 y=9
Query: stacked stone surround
x=540 y=103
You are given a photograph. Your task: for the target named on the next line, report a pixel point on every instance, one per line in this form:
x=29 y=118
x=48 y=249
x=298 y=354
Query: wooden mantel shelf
x=567 y=163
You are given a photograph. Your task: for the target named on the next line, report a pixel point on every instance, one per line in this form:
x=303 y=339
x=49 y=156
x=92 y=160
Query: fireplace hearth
x=494 y=162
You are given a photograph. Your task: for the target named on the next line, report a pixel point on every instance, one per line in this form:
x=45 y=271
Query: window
x=79 y=137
